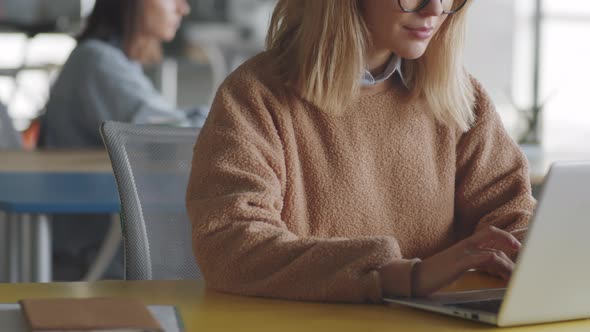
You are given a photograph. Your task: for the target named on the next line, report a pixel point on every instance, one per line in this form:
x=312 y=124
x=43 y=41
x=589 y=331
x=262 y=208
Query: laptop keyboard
x=492 y=306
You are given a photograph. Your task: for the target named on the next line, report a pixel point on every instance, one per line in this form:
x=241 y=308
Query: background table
x=28 y=198
x=96 y=164
x=58 y=193
x=34 y=184
x=206 y=310
x=72 y=161
x=540 y=161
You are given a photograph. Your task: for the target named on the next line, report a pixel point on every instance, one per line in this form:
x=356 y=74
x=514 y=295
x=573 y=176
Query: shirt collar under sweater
x=394 y=64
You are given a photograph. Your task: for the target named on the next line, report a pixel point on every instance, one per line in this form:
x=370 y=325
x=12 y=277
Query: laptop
x=551 y=280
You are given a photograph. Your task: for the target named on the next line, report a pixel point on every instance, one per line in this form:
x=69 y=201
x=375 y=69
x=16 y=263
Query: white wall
x=489 y=47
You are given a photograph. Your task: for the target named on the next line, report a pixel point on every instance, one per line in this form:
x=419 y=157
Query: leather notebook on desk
x=93 y=314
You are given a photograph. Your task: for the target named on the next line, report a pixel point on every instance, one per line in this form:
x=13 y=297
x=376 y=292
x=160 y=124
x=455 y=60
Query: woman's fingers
x=492 y=237
x=501 y=266
x=519 y=233
x=491 y=261
x=472 y=253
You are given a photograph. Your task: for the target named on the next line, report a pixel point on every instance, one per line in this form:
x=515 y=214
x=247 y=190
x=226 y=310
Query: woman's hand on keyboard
x=474 y=252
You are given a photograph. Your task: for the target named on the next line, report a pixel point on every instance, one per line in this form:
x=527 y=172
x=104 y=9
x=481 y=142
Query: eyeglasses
x=449 y=6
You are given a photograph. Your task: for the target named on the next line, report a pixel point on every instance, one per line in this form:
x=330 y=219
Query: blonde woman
x=355 y=158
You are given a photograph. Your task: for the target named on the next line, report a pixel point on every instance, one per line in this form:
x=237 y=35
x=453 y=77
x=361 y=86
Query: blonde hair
x=320 y=48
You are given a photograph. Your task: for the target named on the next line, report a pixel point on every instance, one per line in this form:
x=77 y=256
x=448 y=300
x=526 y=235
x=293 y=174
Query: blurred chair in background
x=152 y=166
x=9 y=137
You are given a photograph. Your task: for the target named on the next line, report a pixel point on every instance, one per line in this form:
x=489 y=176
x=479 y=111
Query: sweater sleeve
x=493 y=185
x=235 y=203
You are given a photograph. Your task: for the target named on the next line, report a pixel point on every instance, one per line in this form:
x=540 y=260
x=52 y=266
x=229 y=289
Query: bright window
x=565 y=74
x=25 y=91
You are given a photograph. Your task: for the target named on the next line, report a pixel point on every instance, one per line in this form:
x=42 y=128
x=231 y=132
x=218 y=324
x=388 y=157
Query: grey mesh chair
x=152 y=166
x=9 y=137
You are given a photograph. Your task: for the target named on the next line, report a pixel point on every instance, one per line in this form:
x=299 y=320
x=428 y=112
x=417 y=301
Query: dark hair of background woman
x=120 y=21
x=113 y=19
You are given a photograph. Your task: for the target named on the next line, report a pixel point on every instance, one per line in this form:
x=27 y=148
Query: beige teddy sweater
x=289 y=202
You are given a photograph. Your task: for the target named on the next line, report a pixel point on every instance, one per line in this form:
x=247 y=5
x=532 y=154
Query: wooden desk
x=94 y=161
x=205 y=310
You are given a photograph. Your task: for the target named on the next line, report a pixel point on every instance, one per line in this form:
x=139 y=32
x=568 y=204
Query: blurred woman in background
x=103 y=80
x=103 y=77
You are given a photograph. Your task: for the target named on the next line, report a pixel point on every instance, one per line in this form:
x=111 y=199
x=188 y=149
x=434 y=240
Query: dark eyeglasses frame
x=425 y=3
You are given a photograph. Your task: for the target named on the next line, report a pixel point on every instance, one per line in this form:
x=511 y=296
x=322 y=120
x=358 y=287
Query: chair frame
x=138 y=263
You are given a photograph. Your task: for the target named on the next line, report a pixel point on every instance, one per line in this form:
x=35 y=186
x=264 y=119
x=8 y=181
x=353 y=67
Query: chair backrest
x=9 y=137
x=152 y=166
